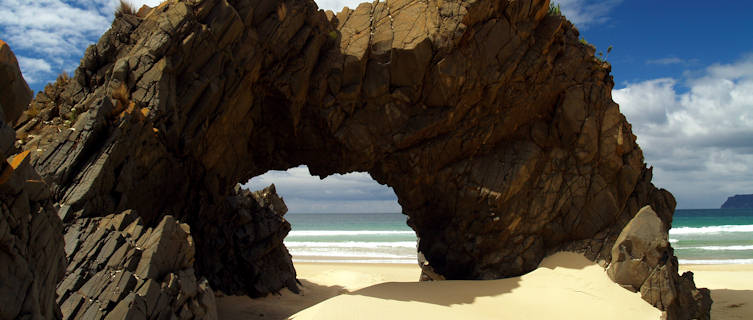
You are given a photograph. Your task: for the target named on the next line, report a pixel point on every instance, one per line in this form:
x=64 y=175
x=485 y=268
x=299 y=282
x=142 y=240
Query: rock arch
x=490 y=120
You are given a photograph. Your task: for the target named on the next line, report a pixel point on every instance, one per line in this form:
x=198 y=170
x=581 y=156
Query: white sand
x=567 y=286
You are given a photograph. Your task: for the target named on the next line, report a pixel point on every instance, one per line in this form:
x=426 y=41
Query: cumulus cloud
x=352 y=192
x=55 y=32
x=699 y=139
x=585 y=13
x=33 y=69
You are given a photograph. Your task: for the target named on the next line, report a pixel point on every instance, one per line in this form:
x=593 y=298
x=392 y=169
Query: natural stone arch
x=490 y=120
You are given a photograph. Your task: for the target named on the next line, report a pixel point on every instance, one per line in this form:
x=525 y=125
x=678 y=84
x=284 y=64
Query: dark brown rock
x=121 y=269
x=490 y=120
x=14 y=91
x=32 y=258
x=249 y=236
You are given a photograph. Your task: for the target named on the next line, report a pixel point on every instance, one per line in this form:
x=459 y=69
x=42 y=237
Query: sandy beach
x=565 y=286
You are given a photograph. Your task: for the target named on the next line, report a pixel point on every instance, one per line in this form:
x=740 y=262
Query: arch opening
x=348 y=218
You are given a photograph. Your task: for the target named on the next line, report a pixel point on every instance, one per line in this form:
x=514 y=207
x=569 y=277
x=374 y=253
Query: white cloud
x=33 y=69
x=352 y=192
x=666 y=61
x=700 y=141
x=584 y=13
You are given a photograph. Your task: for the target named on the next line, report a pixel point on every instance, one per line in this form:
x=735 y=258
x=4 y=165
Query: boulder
x=642 y=245
x=643 y=260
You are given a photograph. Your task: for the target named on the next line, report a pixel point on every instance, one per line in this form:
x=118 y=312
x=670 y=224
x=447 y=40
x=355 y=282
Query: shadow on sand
x=732 y=304
x=280 y=306
x=452 y=292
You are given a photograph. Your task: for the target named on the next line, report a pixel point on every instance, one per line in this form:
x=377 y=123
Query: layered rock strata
x=32 y=260
x=490 y=120
x=118 y=268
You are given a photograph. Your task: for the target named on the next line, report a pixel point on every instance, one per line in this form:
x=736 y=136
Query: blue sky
x=683 y=74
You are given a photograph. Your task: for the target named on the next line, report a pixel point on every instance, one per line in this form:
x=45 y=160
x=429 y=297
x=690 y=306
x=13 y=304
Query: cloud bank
x=700 y=141
x=352 y=192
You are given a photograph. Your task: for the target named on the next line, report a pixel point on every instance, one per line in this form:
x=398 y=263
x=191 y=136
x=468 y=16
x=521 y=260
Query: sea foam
x=717 y=261
x=347 y=254
x=719 y=248
x=310 y=233
x=400 y=261
x=351 y=244
x=711 y=229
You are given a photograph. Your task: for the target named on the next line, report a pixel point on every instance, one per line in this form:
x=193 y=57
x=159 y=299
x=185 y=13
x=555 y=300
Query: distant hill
x=739 y=201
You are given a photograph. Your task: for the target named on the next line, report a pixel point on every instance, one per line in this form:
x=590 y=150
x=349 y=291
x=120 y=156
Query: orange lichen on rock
x=19 y=158
x=8 y=168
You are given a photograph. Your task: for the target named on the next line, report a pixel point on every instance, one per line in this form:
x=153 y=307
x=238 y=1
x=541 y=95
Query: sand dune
x=566 y=286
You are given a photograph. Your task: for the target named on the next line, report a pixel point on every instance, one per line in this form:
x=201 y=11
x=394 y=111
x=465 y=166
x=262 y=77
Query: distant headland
x=739 y=201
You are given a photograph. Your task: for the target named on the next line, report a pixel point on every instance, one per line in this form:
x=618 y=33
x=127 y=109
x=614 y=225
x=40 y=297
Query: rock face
x=14 y=91
x=739 y=201
x=120 y=269
x=642 y=260
x=32 y=259
x=490 y=120
x=251 y=231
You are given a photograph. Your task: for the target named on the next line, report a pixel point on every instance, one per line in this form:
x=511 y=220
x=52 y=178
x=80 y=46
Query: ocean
x=713 y=236
x=703 y=236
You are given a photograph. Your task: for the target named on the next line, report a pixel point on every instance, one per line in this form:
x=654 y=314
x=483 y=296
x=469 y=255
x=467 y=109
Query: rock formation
x=32 y=260
x=491 y=121
x=642 y=260
x=120 y=269
x=14 y=91
x=739 y=201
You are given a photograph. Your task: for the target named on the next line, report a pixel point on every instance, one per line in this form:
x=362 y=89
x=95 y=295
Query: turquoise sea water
x=712 y=236
x=705 y=236
x=351 y=237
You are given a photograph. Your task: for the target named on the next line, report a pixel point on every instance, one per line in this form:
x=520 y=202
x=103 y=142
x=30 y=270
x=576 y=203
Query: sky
x=683 y=73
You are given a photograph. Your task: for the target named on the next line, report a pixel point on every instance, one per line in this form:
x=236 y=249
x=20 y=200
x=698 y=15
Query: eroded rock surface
x=642 y=260
x=121 y=269
x=249 y=237
x=32 y=259
x=14 y=91
x=491 y=121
